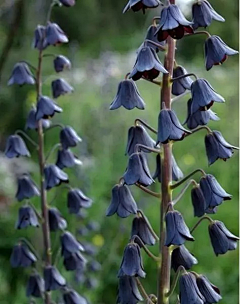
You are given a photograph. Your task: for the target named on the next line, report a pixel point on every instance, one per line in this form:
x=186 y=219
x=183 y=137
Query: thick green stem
x=174 y=283
x=180 y=195
x=143 y=292
x=174 y=186
x=148 y=252
x=157 y=195
x=199 y=222
x=145 y=125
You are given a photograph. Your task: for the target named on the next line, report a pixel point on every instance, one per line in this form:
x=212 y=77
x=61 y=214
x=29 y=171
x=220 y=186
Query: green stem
x=199 y=33
x=174 y=186
x=193 y=182
x=157 y=195
x=51 y=151
x=145 y=125
x=143 y=292
x=184 y=76
x=23 y=240
x=58 y=191
x=163 y=48
x=36 y=211
x=138 y=148
x=148 y=252
x=174 y=283
x=58 y=125
x=27 y=137
x=158 y=83
x=198 y=129
x=148 y=225
x=198 y=223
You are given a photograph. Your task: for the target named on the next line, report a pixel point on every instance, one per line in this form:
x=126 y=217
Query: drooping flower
x=54 y=176
x=39 y=35
x=76 y=199
x=152 y=37
x=182 y=257
x=74 y=261
x=128 y=292
x=203 y=14
x=32 y=123
x=183 y=84
x=217 y=147
x=16 y=147
x=72 y=297
x=122 y=202
x=69 y=244
x=132 y=262
x=140 y=228
x=221 y=238
x=127 y=96
x=35 y=286
x=61 y=63
x=66 y=159
x=198 y=201
x=26 y=217
x=53 y=279
x=56 y=221
x=54 y=35
x=172 y=23
x=137 y=5
x=169 y=127
x=147 y=65
x=138 y=135
x=21 y=75
x=137 y=170
x=69 y=137
x=60 y=87
x=203 y=95
x=26 y=188
x=67 y=3
x=46 y=108
x=21 y=256
x=177 y=230
x=94 y=266
x=210 y=292
x=189 y=292
x=216 y=51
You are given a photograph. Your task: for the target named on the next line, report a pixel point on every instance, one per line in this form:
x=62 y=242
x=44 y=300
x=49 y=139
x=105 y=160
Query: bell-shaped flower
x=122 y=202
x=26 y=188
x=137 y=5
x=177 y=230
x=71 y=296
x=210 y=292
x=147 y=65
x=56 y=221
x=54 y=35
x=172 y=23
x=32 y=123
x=140 y=228
x=128 y=292
x=221 y=238
x=217 y=147
x=39 y=35
x=183 y=84
x=198 y=201
x=35 y=286
x=69 y=137
x=54 y=177
x=26 y=217
x=76 y=199
x=182 y=257
x=21 y=75
x=61 y=63
x=132 y=262
x=90 y=249
x=66 y=159
x=203 y=14
x=216 y=51
x=67 y=3
x=46 y=108
x=127 y=96
x=198 y=118
x=60 y=87
x=94 y=266
x=213 y=193
x=151 y=36
x=21 y=256
x=69 y=244
x=74 y=261
x=16 y=147
x=169 y=127
x=188 y=290
x=203 y=95
x=137 y=170
x=53 y=279
x=138 y=135
x=176 y=171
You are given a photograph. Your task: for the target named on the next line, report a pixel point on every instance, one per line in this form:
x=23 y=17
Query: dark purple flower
x=69 y=244
x=203 y=14
x=61 y=63
x=137 y=5
x=60 y=87
x=67 y=3
x=94 y=266
x=182 y=257
x=54 y=177
x=46 y=108
x=132 y=262
x=72 y=297
x=137 y=170
x=216 y=51
x=69 y=137
x=147 y=65
x=198 y=201
x=189 y=292
x=221 y=238
x=21 y=256
x=140 y=228
x=39 y=35
x=177 y=231
x=66 y=159
x=54 y=35
x=122 y=202
x=77 y=199
x=172 y=23
x=32 y=123
x=26 y=217
x=128 y=292
x=26 y=188
x=35 y=286
x=89 y=249
x=16 y=147
x=53 y=279
x=203 y=95
x=210 y=292
x=151 y=36
x=127 y=96
x=21 y=75
x=169 y=127
x=56 y=221
x=74 y=261
x=183 y=84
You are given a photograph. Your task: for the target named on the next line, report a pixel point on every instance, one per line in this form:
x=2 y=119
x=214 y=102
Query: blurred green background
x=102 y=50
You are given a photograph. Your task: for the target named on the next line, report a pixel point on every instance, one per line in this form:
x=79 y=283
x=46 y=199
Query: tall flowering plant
x=206 y=194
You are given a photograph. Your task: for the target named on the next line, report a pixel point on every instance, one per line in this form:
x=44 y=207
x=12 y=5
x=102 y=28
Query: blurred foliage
x=97 y=29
